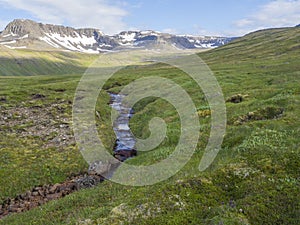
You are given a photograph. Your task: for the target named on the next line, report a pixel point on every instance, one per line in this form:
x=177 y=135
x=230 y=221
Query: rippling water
x=125 y=139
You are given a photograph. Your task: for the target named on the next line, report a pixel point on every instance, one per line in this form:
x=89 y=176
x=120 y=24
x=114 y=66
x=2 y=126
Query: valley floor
x=255 y=178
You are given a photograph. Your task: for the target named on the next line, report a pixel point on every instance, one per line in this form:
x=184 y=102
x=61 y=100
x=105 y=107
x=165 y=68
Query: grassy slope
x=25 y=62
x=255 y=178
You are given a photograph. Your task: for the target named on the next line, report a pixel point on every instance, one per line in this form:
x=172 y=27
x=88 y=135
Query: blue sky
x=197 y=17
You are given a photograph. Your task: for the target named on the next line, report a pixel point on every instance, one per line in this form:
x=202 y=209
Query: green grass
x=28 y=63
x=254 y=180
x=25 y=161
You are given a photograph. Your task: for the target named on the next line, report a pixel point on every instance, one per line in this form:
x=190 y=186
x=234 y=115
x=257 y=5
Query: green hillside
x=254 y=180
x=29 y=63
x=260 y=45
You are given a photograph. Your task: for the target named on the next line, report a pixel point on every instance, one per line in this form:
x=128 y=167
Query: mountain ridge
x=24 y=33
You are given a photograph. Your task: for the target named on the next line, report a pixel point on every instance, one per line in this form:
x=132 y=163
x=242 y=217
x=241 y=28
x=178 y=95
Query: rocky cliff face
x=38 y=36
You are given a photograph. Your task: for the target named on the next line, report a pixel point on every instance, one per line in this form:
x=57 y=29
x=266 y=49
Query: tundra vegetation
x=255 y=178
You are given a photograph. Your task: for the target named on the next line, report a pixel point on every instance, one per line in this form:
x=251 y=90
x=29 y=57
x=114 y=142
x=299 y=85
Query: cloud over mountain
x=277 y=13
x=102 y=14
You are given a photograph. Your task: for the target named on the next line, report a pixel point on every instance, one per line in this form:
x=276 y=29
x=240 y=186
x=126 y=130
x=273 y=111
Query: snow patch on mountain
x=8 y=42
x=69 y=41
x=49 y=41
x=127 y=37
x=21 y=47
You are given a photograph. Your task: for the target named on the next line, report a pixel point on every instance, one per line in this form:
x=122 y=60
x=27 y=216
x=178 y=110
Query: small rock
x=8 y=201
x=37 y=188
x=40 y=202
x=251 y=114
x=35 y=193
x=72 y=186
x=33 y=205
x=54 y=188
x=26 y=203
x=12 y=209
x=63 y=187
x=19 y=197
x=41 y=193
x=54 y=196
x=19 y=210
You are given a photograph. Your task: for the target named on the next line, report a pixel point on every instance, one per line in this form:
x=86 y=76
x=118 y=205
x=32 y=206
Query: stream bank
x=39 y=195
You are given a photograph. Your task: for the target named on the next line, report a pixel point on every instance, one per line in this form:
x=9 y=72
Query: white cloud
x=243 y=22
x=101 y=14
x=277 y=13
x=199 y=30
x=170 y=31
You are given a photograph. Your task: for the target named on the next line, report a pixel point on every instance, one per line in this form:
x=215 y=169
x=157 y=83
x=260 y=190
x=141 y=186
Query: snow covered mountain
x=21 y=34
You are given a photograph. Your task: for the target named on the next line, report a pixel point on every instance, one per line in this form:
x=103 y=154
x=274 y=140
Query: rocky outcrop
x=34 y=29
x=237 y=98
x=42 y=194
x=268 y=113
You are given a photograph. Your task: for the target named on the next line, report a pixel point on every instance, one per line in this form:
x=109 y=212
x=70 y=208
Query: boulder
x=125 y=153
x=102 y=167
x=236 y=98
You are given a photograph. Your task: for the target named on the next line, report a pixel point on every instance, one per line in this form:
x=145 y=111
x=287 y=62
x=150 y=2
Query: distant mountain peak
x=21 y=27
x=24 y=33
x=298 y=25
x=25 y=26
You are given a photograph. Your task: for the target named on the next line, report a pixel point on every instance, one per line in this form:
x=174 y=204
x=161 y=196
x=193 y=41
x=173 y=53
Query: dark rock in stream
x=122 y=155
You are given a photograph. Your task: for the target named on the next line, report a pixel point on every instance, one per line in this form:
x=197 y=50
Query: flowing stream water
x=125 y=142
